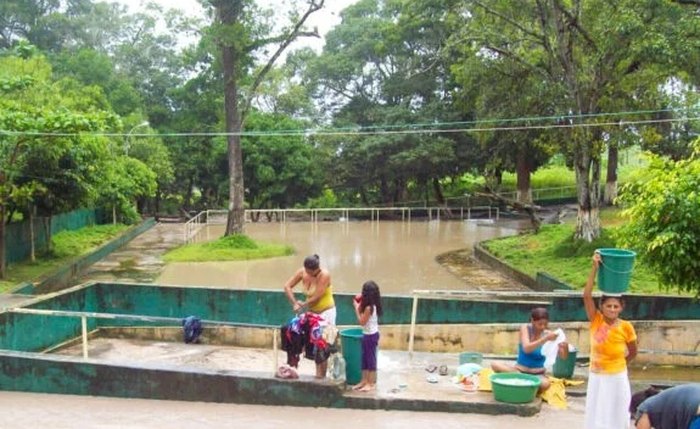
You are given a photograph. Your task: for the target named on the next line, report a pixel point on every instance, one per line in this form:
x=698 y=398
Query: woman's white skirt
x=607 y=401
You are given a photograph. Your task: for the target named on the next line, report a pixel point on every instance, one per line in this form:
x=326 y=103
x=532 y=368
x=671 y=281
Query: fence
x=342 y=214
x=18 y=236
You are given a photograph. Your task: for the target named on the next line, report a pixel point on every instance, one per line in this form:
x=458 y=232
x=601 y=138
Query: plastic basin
x=470 y=357
x=514 y=387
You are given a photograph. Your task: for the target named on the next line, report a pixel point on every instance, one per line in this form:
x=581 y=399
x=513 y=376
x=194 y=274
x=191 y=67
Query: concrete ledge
x=33 y=372
x=483 y=255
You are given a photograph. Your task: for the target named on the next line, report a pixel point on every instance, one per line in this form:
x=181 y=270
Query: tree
x=239 y=39
x=663 y=208
x=279 y=170
x=583 y=50
x=381 y=71
x=40 y=146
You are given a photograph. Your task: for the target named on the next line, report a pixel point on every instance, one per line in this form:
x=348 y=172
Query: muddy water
x=400 y=256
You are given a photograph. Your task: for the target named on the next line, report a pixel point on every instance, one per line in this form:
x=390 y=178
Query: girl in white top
x=368 y=309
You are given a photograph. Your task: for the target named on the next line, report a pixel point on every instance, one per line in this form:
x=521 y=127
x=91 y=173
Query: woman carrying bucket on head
x=613 y=346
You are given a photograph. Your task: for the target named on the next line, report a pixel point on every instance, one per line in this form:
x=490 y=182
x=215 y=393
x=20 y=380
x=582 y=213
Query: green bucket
x=564 y=368
x=615 y=270
x=514 y=387
x=351 y=343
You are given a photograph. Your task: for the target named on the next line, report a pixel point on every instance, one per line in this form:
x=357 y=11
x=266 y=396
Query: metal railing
x=468 y=295
x=83 y=315
x=544 y=193
x=218 y=217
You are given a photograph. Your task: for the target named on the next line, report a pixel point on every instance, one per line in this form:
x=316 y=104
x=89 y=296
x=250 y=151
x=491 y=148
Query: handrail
x=84 y=315
x=458 y=295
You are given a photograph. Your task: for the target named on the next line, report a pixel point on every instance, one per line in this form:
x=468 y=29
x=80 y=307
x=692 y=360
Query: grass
x=230 y=248
x=67 y=245
x=554 y=251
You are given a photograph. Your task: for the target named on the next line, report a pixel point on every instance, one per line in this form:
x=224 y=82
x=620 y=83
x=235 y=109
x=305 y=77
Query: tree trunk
x=230 y=14
x=439 y=196
x=32 y=252
x=588 y=191
x=522 y=168
x=611 y=179
x=3 y=265
x=47 y=232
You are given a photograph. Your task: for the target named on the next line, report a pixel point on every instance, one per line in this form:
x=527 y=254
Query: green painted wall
x=17 y=235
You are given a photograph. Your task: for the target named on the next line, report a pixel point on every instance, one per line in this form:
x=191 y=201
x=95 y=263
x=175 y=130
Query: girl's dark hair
x=312 y=262
x=539 y=313
x=371 y=296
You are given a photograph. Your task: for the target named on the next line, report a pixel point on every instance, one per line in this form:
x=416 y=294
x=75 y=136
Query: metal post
x=414 y=312
x=83 y=322
x=274 y=350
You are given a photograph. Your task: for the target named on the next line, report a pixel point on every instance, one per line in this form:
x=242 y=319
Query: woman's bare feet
x=359 y=386
x=366 y=388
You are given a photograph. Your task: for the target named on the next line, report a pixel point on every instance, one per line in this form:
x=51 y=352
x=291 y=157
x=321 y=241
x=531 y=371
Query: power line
x=360 y=131
x=363 y=131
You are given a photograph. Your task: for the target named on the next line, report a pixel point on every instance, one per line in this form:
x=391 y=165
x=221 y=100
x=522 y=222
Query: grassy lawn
x=67 y=245
x=554 y=251
x=231 y=248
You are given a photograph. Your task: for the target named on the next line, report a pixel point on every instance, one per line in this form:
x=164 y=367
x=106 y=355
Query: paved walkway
x=140 y=260
x=32 y=410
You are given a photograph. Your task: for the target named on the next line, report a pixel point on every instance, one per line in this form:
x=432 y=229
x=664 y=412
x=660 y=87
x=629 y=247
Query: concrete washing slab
x=402 y=382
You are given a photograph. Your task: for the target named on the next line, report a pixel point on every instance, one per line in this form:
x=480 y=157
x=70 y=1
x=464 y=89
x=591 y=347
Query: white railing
x=192 y=226
x=218 y=217
x=84 y=315
x=544 y=193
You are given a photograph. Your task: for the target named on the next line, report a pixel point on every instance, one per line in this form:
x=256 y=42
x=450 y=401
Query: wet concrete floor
x=22 y=410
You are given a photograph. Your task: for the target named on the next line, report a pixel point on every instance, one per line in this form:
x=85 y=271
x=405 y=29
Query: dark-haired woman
x=613 y=346
x=532 y=337
x=316 y=287
x=368 y=310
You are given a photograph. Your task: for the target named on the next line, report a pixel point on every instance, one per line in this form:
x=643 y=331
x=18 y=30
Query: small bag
x=192 y=329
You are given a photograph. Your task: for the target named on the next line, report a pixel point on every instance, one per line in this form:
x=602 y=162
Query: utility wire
x=361 y=131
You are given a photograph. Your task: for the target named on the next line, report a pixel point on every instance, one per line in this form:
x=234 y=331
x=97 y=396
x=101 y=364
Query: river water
x=399 y=256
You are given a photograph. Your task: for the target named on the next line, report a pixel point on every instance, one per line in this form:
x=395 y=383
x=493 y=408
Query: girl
x=532 y=338
x=368 y=310
x=613 y=346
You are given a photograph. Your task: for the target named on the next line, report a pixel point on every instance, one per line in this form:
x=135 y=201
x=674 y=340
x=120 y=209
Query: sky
x=324 y=19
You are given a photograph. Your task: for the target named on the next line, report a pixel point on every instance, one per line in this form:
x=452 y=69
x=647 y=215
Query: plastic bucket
x=615 y=270
x=351 y=343
x=470 y=357
x=564 y=368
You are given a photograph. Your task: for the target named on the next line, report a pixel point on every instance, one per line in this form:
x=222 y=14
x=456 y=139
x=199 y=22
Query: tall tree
x=583 y=50
x=240 y=37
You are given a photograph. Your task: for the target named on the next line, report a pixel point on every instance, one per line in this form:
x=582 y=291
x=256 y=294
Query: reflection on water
x=400 y=256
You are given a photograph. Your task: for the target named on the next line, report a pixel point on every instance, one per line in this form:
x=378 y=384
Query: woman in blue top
x=532 y=337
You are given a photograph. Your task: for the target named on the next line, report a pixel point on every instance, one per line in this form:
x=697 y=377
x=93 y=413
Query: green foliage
x=67 y=246
x=234 y=247
x=663 y=207
x=554 y=251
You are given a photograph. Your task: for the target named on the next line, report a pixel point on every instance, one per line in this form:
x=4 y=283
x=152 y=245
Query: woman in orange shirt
x=613 y=346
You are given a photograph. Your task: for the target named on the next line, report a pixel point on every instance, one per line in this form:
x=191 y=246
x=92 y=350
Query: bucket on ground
x=564 y=368
x=615 y=270
x=514 y=387
x=351 y=344
x=470 y=357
